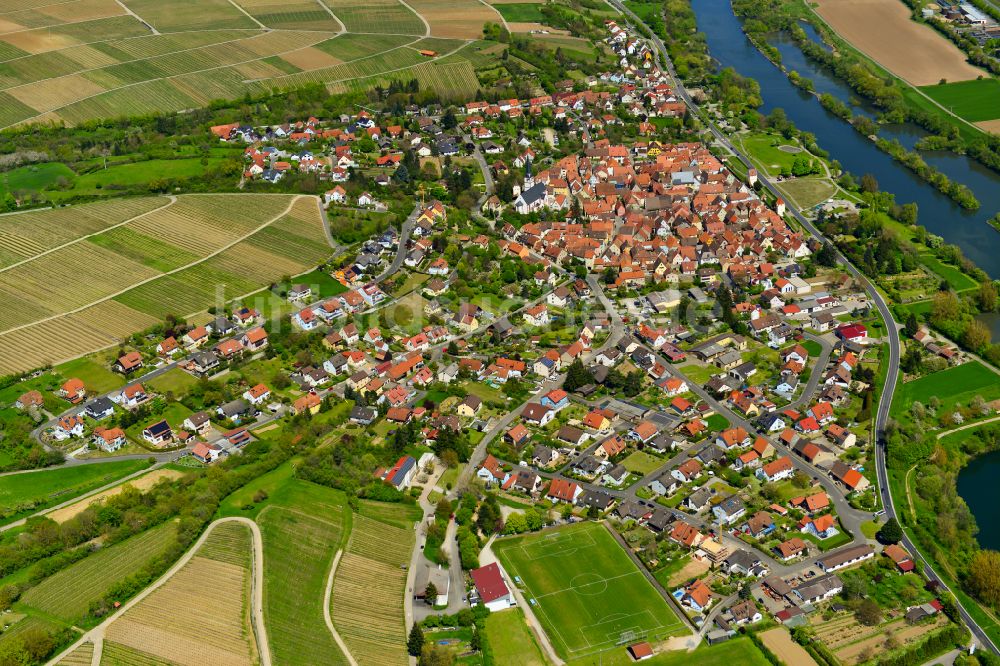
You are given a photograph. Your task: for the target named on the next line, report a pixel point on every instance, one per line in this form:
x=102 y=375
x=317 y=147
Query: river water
x=977 y=486
x=967 y=229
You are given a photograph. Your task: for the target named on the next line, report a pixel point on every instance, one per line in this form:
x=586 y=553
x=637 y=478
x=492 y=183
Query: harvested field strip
x=279 y=241
x=144 y=482
x=462 y=19
x=191 y=623
x=24 y=235
x=116 y=654
x=298 y=553
x=68 y=593
x=81 y=656
x=452 y=77
x=140 y=99
x=69 y=278
x=377 y=16
x=376 y=64
x=366 y=604
x=203 y=224
x=884 y=31
x=13 y=111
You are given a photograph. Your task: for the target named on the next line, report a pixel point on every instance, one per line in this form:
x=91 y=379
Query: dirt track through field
x=883 y=30
x=144 y=482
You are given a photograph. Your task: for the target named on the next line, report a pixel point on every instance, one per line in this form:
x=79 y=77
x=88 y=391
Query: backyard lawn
x=641 y=463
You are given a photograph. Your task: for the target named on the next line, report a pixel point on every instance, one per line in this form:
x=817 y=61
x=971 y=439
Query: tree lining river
x=966 y=229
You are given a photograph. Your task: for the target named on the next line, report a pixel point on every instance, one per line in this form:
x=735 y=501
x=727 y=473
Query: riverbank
x=911 y=159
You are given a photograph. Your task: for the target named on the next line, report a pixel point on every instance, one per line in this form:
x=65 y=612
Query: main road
x=892 y=328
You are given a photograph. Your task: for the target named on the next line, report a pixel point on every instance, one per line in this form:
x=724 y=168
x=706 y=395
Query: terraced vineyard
x=95 y=274
x=189 y=622
x=68 y=593
x=367 y=601
x=84 y=59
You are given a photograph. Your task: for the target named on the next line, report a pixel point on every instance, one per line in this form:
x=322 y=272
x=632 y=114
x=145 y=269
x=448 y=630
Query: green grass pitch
x=588 y=593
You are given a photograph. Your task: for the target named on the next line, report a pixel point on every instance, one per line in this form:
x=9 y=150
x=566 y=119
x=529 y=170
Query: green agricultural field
x=68 y=593
x=39 y=490
x=511 y=641
x=588 y=591
x=302 y=526
x=975 y=100
x=954 y=386
x=521 y=12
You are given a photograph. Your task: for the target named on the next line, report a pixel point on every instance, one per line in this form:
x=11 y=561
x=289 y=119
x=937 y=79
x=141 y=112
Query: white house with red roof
x=491 y=589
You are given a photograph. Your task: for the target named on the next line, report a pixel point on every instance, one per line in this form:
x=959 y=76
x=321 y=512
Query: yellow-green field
x=69 y=62
x=98 y=273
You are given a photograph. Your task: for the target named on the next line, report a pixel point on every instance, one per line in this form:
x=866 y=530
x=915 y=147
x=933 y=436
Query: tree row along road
x=892 y=328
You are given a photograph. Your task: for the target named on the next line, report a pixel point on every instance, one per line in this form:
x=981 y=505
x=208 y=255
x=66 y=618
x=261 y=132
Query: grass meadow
x=46 y=488
x=954 y=386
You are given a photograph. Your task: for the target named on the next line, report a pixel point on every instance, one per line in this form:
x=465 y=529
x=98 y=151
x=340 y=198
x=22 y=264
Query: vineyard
x=25 y=235
x=370 y=585
x=116 y=654
x=385 y=16
x=81 y=656
x=201 y=614
x=68 y=593
x=166 y=57
x=184 y=257
x=298 y=552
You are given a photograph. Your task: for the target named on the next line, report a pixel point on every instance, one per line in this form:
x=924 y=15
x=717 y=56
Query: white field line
x=109 y=297
x=171 y=200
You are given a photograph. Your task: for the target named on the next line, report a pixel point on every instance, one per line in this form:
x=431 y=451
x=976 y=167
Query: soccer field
x=589 y=595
